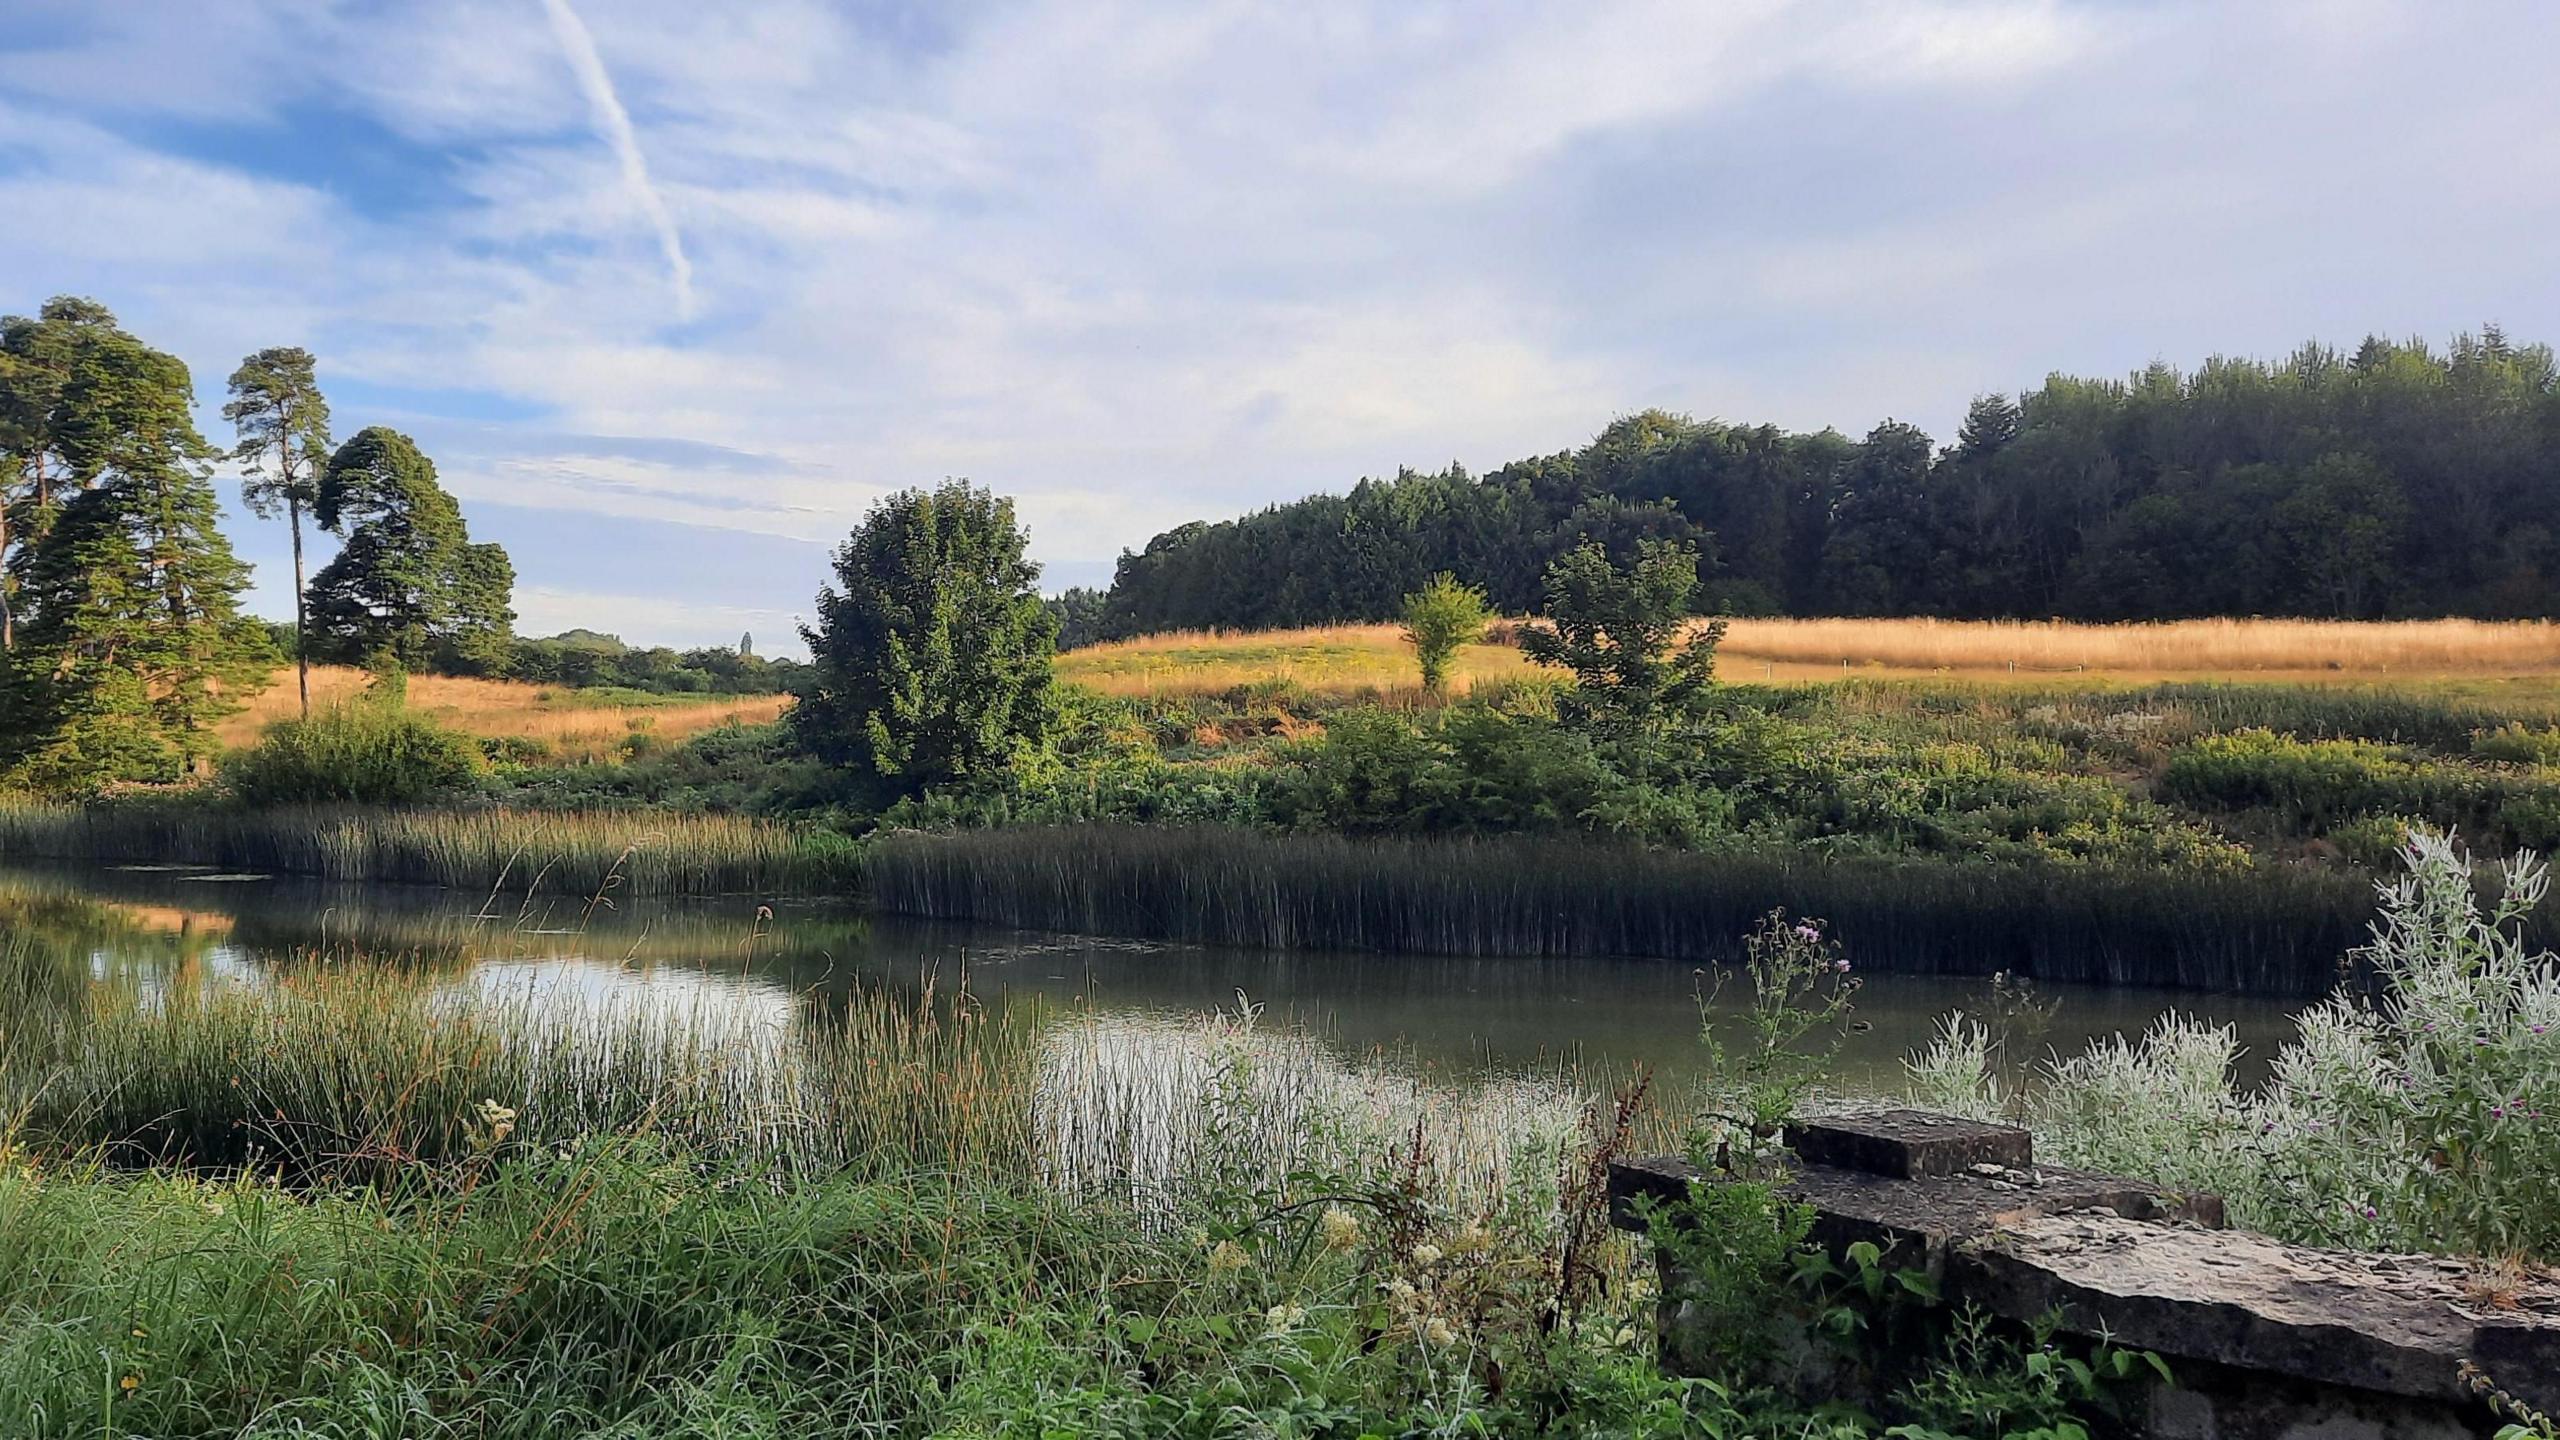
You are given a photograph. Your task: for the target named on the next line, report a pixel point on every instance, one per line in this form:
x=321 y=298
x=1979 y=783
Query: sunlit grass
x=1342 y=658
x=571 y=725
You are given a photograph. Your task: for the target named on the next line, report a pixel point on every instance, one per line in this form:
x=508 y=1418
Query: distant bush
x=2515 y=743
x=363 y=753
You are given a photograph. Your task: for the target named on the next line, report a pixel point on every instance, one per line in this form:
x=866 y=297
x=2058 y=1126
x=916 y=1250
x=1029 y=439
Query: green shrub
x=2516 y=743
x=2374 y=841
x=356 y=754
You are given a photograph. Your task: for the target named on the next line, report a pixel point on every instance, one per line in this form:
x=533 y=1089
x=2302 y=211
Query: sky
x=673 y=291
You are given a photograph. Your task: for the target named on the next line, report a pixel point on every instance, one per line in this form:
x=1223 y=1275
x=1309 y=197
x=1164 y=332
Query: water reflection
x=1446 y=1018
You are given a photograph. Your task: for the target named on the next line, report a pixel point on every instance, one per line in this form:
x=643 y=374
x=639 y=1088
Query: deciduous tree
x=931 y=653
x=1438 y=618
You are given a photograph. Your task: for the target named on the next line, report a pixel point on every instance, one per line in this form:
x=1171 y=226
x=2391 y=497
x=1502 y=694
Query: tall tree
x=931 y=655
x=131 y=643
x=407 y=582
x=46 y=442
x=282 y=421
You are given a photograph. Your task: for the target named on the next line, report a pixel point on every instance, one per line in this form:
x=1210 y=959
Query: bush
x=2516 y=743
x=356 y=754
x=2418 y=1117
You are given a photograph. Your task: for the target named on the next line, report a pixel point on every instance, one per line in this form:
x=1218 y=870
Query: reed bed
x=2276 y=930
x=356 y=1071
x=556 y=718
x=581 y=852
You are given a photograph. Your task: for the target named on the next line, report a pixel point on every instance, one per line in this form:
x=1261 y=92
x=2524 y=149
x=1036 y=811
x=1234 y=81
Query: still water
x=1450 y=1018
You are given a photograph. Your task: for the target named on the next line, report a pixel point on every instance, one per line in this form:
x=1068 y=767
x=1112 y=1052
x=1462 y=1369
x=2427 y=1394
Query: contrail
x=615 y=122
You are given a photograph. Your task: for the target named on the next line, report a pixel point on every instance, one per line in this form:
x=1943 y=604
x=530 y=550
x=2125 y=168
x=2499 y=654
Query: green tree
x=931 y=653
x=282 y=422
x=1438 y=618
x=48 y=437
x=130 y=642
x=408 y=580
x=1619 y=629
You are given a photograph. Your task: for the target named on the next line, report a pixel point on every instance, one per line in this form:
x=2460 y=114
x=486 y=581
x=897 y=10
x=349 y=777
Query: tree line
x=2393 y=481
x=121 y=634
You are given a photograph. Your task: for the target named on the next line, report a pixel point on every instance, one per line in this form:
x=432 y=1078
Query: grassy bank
x=353 y=1200
x=468 y=849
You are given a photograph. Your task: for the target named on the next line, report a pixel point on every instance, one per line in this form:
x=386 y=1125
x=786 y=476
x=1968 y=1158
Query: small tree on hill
x=1438 y=618
x=1618 y=629
x=930 y=659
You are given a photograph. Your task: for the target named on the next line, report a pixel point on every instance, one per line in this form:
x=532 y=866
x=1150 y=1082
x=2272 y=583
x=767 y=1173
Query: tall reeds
x=637 y=853
x=360 y=1071
x=2269 y=930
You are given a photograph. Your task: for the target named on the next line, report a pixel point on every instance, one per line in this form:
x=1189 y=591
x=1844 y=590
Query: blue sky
x=672 y=291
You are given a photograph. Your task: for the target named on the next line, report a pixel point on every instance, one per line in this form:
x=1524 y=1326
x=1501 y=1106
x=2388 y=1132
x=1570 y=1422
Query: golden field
x=1350 y=657
x=570 y=727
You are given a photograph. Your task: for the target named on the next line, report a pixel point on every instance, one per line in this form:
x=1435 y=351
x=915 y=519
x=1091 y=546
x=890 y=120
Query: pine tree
x=408 y=581
x=283 y=425
x=131 y=642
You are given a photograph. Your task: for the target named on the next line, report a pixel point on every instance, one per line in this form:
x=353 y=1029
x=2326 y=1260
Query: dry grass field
x=572 y=725
x=1350 y=657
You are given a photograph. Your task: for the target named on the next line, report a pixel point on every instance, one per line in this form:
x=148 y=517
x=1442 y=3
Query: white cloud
x=1137 y=263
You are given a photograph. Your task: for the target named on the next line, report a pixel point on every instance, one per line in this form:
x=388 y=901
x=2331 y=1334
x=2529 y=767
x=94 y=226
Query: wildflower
x=1400 y=1290
x=498 y=1120
x=1281 y=1319
x=1426 y=1254
x=1228 y=1258
x=1341 y=1228
x=2371 y=1213
x=1809 y=934
x=129 y=1384
x=1840 y=966
x=1626 y=1336
x=1437 y=1331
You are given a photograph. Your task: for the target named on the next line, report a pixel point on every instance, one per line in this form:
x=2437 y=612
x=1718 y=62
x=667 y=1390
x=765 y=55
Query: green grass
x=348 y=1200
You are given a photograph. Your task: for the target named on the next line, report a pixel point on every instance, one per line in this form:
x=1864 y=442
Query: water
x=1452 y=1019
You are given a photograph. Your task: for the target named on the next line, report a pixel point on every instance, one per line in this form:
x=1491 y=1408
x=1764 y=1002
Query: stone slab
x=1910 y=1144
x=2394 y=1324
x=1921 y=1218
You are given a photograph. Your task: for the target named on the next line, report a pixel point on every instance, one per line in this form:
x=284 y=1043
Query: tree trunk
x=301 y=648
x=8 y=612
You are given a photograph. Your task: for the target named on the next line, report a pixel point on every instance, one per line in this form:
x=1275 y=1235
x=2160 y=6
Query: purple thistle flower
x=1808 y=934
x=1841 y=966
